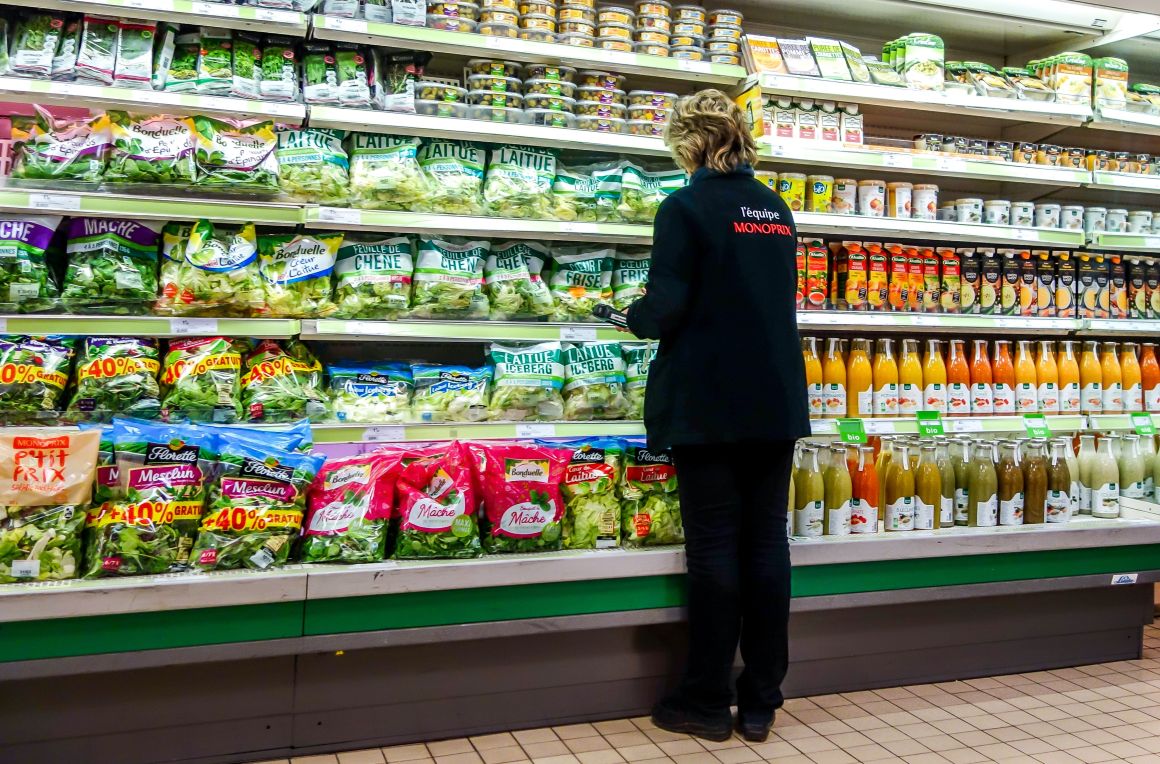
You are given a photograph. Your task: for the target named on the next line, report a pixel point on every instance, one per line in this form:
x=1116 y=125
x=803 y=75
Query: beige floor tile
x=542 y=735
x=797 y=733
x=1073 y=725
x=918 y=730
x=600 y=757
x=833 y=727
x=460 y=758
x=678 y=747
x=867 y=723
x=1150 y=744
x=717 y=745
x=546 y=749
x=913 y=704
x=503 y=755
x=869 y=753
x=644 y=723
x=904 y=747
x=565 y=759
x=1000 y=751
x=1127 y=732
x=829 y=701
x=881 y=707
x=1141 y=760
x=1092 y=754
x=625 y=739
x=963 y=756
x=849 y=739
x=575 y=730
x=885 y=735
x=974 y=738
x=499 y=740
x=1124 y=749
x=965 y=710
x=848 y=712
x=813 y=745
x=400 y=753
x=893 y=693
x=615 y=726
x=986 y=722
x=861 y=696
x=366 y=756
x=953 y=726
x=831 y=757
x=799 y=704
x=940 y=742
x=664 y=736
x=774 y=750
x=813 y=716
x=1132 y=716
x=1041 y=729
x=450 y=747
x=588 y=744
x=1055 y=757
x=1064 y=742
x=924 y=758
x=801 y=758
x=933 y=715
x=736 y=755
x=1008 y=734
x=641 y=752
x=704 y=757
x=1031 y=746
x=326 y=758
x=272 y=761
x=1096 y=736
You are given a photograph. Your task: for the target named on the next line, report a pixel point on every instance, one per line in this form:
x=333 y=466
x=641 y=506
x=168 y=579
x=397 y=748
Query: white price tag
x=265 y=14
x=1117 y=580
x=946 y=164
x=3 y=326
x=693 y=66
x=199 y=326
x=499 y=43
x=136 y=3
x=384 y=433
x=283 y=109
x=578 y=333
x=618 y=57
x=350 y=25
x=873 y=427
x=25 y=568
x=535 y=430
x=966 y=425
x=69 y=202
x=924 y=320
x=897 y=160
x=1024 y=234
x=579 y=227
x=339 y=215
x=1152 y=242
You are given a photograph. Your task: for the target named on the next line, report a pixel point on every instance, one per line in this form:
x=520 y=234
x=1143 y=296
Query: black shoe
x=754 y=728
x=670 y=717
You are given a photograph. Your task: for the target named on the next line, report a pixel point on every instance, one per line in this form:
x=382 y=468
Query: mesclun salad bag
x=200 y=381
x=521 y=496
x=437 y=504
x=116 y=376
x=34 y=372
x=650 y=507
x=350 y=507
x=282 y=384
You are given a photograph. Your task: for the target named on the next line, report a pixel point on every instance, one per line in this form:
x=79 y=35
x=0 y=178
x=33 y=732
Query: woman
x=727 y=394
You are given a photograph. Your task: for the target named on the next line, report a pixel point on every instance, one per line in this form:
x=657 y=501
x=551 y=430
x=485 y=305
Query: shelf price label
x=851 y=431
x=578 y=333
x=1036 y=426
x=1142 y=424
x=384 y=434
x=69 y=202
x=202 y=326
x=532 y=430
x=929 y=424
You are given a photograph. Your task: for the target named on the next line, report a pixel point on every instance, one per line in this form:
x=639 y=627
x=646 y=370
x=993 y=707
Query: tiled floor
x=1103 y=713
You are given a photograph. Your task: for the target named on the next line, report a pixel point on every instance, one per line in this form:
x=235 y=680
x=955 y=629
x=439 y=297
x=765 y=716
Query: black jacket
x=721 y=294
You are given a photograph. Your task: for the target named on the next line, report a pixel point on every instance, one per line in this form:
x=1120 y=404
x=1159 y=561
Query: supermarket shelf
x=858 y=225
x=185 y=12
x=1121 y=327
x=471 y=45
x=1125 y=181
x=393 y=433
x=1120 y=120
x=149 y=326
x=1125 y=242
x=97 y=97
x=482 y=130
x=456 y=331
x=1101 y=422
x=954 y=425
x=931 y=323
x=148 y=207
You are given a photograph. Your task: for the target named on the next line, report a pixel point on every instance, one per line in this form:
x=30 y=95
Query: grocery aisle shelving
x=455 y=331
x=379 y=433
x=469 y=225
x=149 y=326
x=938 y=230
x=934 y=323
x=270 y=20
x=148 y=207
x=1124 y=242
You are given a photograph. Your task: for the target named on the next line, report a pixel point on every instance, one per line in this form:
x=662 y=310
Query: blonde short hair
x=707 y=129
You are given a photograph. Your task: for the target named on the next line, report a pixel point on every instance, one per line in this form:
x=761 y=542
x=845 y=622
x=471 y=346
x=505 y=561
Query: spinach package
x=581 y=279
x=519 y=182
x=374 y=393
x=385 y=173
x=64 y=61
x=215 y=62
x=514 y=284
x=296 y=272
x=97 y=58
x=236 y=155
x=594 y=383
x=351 y=67
x=343 y=8
x=319 y=74
x=454 y=174
x=200 y=381
x=448 y=280
x=372 y=279
x=282 y=384
x=279 y=70
x=630 y=275
x=642 y=192
x=450 y=393
x=217 y=273
x=46 y=483
x=312 y=165
x=151 y=149
x=591 y=506
x=112 y=265
x=181 y=74
x=33 y=375
x=437 y=504
x=650 y=508
x=149 y=527
x=528 y=380
x=134 y=67
x=381 y=11
x=247 y=65
x=255 y=507
x=350 y=507
x=34 y=44
x=60 y=149
x=27 y=284
x=116 y=375
x=521 y=496
x=637 y=359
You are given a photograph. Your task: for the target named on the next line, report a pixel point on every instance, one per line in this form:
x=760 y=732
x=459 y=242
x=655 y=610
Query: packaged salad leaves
x=112 y=266
x=279 y=70
x=372 y=279
x=454 y=174
x=448 y=281
x=637 y=359
x=151 y=149
x=319 y=74
x=255 y=507
x=375 y=393
x=282 y=384
x=116 y=375
x=396 y=75
x=215 y=62
x=97 y=57
x=236 y=155
x=217 y=274
x=350 y=507
x=134 y=67
x=45 y=486
x=344 y=8
x=64 y=61
x=591 y=506
x=630 y=275
x=60 y=149
x=201 y=381
x=641 y=192
x=27 y=284
x=385 y=172
x=581 y=279
x=34 y=44
x=106 y=480
x=292 y=437
x=519 y=182
x=594 y=381
x=150 y=525
x=174 y=239
x=163 y=51
x=181 y=76
x=352 y=76
x=296 y=270
x=609 y=178
x=33 y=374
x=380 y=10
x=312 y=165
x=521 y=496
x=528 y=380
x=437 y=504
x=5 y=62
x=650 y=509
x=247 y=65
x=514 y=284
x=574 y=195
x=450 y=393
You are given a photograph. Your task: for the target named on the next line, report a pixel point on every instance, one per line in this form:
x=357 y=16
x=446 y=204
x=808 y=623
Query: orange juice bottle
x=958 y=380
x=1112 y=378
x=934 y=379
x=1069 y=387
x=909 y=379
x=877 y=277
x=833 y=380
x=1047 y=378
x=1026 y=399
x=1150 y=377
x=885 y=379
x=982 y=384
x=1130 y=377
x=1003 y=379
x=897 y=296
x=859 y=380
x=813 y=375
x=1091 y=380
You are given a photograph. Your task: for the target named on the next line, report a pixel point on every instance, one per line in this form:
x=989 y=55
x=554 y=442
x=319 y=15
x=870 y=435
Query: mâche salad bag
x=521 y=496
x=437 y=504
x=350 y=506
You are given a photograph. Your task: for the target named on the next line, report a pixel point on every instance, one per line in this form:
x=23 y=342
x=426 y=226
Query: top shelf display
x=217 y=14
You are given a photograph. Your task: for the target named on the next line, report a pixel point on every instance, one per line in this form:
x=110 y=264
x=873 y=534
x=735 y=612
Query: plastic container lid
x=538 y=21
x=723 y=46
x=600 y=109
x=498 y=29
x=646 y=127
x=492 y=98
x=549 y=118
x=647 y=114
x=651 y=49
x=443 y=89
x=578 y=40
x=550 y=102
x=463 y=10
x=726 y=16
x=537 y=6
x=690 y=12
x=600 y=124
x=658 y=98
x=654 y=21
x=617 y=14
x=651 y=35
x=687 y=41
x=577 y=27
x=502 y=15
x=537 y=35
x=725 y=31
x=494 y=67
x=624 y=46
x=491 y=82
x=442 y=109
x=689 y=27
x=450 y=23
x=548 y=87
x=605 y=80
x=600 y=94
x=497 y=113
x=653 y=6
x=725 y=58
x=687 y=52
x=614 y=30
x=553 y=72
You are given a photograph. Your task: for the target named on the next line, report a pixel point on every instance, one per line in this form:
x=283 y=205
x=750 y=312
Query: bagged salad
x=377 y=393
x=236 y=155
x=519 y=182
x=151 y=149
x=448 y=280
x=450 y=393
x=134 y=68
x=629 y=275
x=34 y=44
x=279 y=70
x=296 y=272
x=201 y=381
x=454 y=174
x=97 y=57
x=650 y=508
x=350 y=507
x=319 y=73
x=282 y=384
x=372 y=279
x=437 y=504
x=581 y=279
x=116 y=376
x=247 y=65
x=181 y=73
x=591 y=506
x=27 y=284
x=217 y=273
x=514 y=284
x=255 y=506
x=174 y=239
x=46 y=482
x=312 y=165
x=521 y=496
x=642 y=191
x=594 y=381
x=352 y=70
x=215 y=62
x=163 y=50
x=637 y=359
x=112 y=266
x=64 y=61
x=60 y=149
x=385 y=173
x=528 y=380
x=34 y=372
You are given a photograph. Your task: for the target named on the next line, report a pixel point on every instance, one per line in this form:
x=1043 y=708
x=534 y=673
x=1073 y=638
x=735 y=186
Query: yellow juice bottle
x=934 y=379
x=1047 y=378
x=833 y=380
x=1026 y=385
x=1069 y=387
x=1091 y=380
x=859 y=380
x=909 y=379
x=813 y=375
x=1130 y=378
x=1112 y=378
x=885 y=380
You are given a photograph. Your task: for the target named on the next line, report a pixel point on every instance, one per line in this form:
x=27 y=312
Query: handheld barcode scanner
x=615 y=317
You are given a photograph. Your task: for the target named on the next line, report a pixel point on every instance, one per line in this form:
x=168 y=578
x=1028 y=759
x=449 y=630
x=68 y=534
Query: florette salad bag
x=448 y=280
x=46 y=482
x=33 y=374
x=591 y=505
x=350 y=506
x=371 y=393
x=385 y=172
x=151 y=149
x=151 y=522
x=255 y=507
x=514 y=284
x=200 y=381
x=116 y=375
x=521 y=496
x=637 y=359
x=216 y=274
x=581 y=279
x=641 y=192
x=454 y=174
x=60 y=149
x=372 y=279
x=312 y=165
x=594 y=382
x=450 y=393
x=528 y=381
x=437 y=504
x=112 y=266
x=296 y=271
x=519 y=182
x=650 y=508
x=282 y=385
x=630 y=275
x=236 y=155
x=27 y=284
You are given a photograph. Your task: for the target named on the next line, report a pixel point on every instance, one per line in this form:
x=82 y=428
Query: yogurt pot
x=792 y=187
x=1022 y=214
x=924 y=202
x=997 y=212
x=1095 y=219
x=1071 y=217
x=1140 y=221
x=969 y=210
x=819 y=193
x=1117 y=221
x=946 y=212
x=1047 y=215
x=845 y=199
x=872 y=198
x=898 y=199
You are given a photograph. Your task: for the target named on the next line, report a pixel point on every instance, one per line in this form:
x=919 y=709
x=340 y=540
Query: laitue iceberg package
x=350 y=503
x=528 y=380
x=437 y=504
x=594 y=382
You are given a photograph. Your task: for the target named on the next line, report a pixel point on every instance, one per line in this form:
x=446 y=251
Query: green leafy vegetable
x=448 y=280
x=642 y=192
x=353 y=85
x=151 y=150
x=385 y=173
x=350 y=506
x=454 y=174
x=217 y=273
x=200 y=381
x=279 y=70
x=591 y=506
x=97 y=58
x=650 y=508
x=594 y=381
x=49 y=537
x=112 y=266
x=514 y=285
x=319 y=74
x=296 y=270
x=33 y=374
x=450 y=393
x=26 y=281
x=371 y=393
x=60 y=149
x=282 y=385
x=34 y=44
x=215 y=70
x=519 y=182
x=236 y=155
x=116 y=375
x=312 y=165
x=637 y=359
x=437 y=504
x=182 y=70
x=528 y=380
x=134 y=67
x=373 y=278
x=247 y=65
x=630 y=275
x=521 y=496
x=581 y=279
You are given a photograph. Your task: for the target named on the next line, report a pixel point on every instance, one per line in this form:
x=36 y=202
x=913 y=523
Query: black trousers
x=733 y=505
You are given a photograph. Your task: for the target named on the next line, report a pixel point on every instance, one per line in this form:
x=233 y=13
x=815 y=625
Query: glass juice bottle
x=859 y=380
x=1091 y=380
x=1026 y=399
x=833 y=380
x=960 y=462
x=1047 y=379
x=909 y=379
x=958 y=380
x=1034 y=482
x=982 y=488
x=1003 y=379
x=1148 y=453
x=934 y=379
x=1010 y=484
x=947 y=498
x=1130 y=378
x=1073 y=492
x=982 y=393
x=885 y=380
x=927 y=490
x=1150 y=377
x=1111 y=379
x=1105 y=481
x=810 y=494
x=813 y=376
x=864 y=504
x=838 y=492
x=1059 y=484
x=1087 y=454
x=1069 y=385
x=900 y=491
x=883 y=464
x=1131 y=464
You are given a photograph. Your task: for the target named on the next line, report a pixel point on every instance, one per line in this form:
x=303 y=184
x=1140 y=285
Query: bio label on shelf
x=929 y=424
x=852 y=430
x=1142 y=424
x=1036 y=426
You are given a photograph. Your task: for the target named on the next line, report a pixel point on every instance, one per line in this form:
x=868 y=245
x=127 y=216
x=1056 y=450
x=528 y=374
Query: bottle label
x=866 y=403
x=1133 y=401
x=1092 y=401
x=946 y=513
x=839 y=520
x=1075 y=495
x=961 y=506
x=863 y=516
x=1085 y=499
x=1069 y=398
x=1106 y=500
x=988 y=512
x=908 y=399
x=1049 y=398
x=1058 y=507
x=886 y=400
x=834 y=400
x=958 y=399
x=923 y=515
x=1003 y=399
x=1133 y=490
x=982 y=399
x=1113 y=398
x=900 y=516
x=934 y=398
x=1152 y=399
x=1011 y=511
x=817 y=400
x=808 y=519
x=1026 y=398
